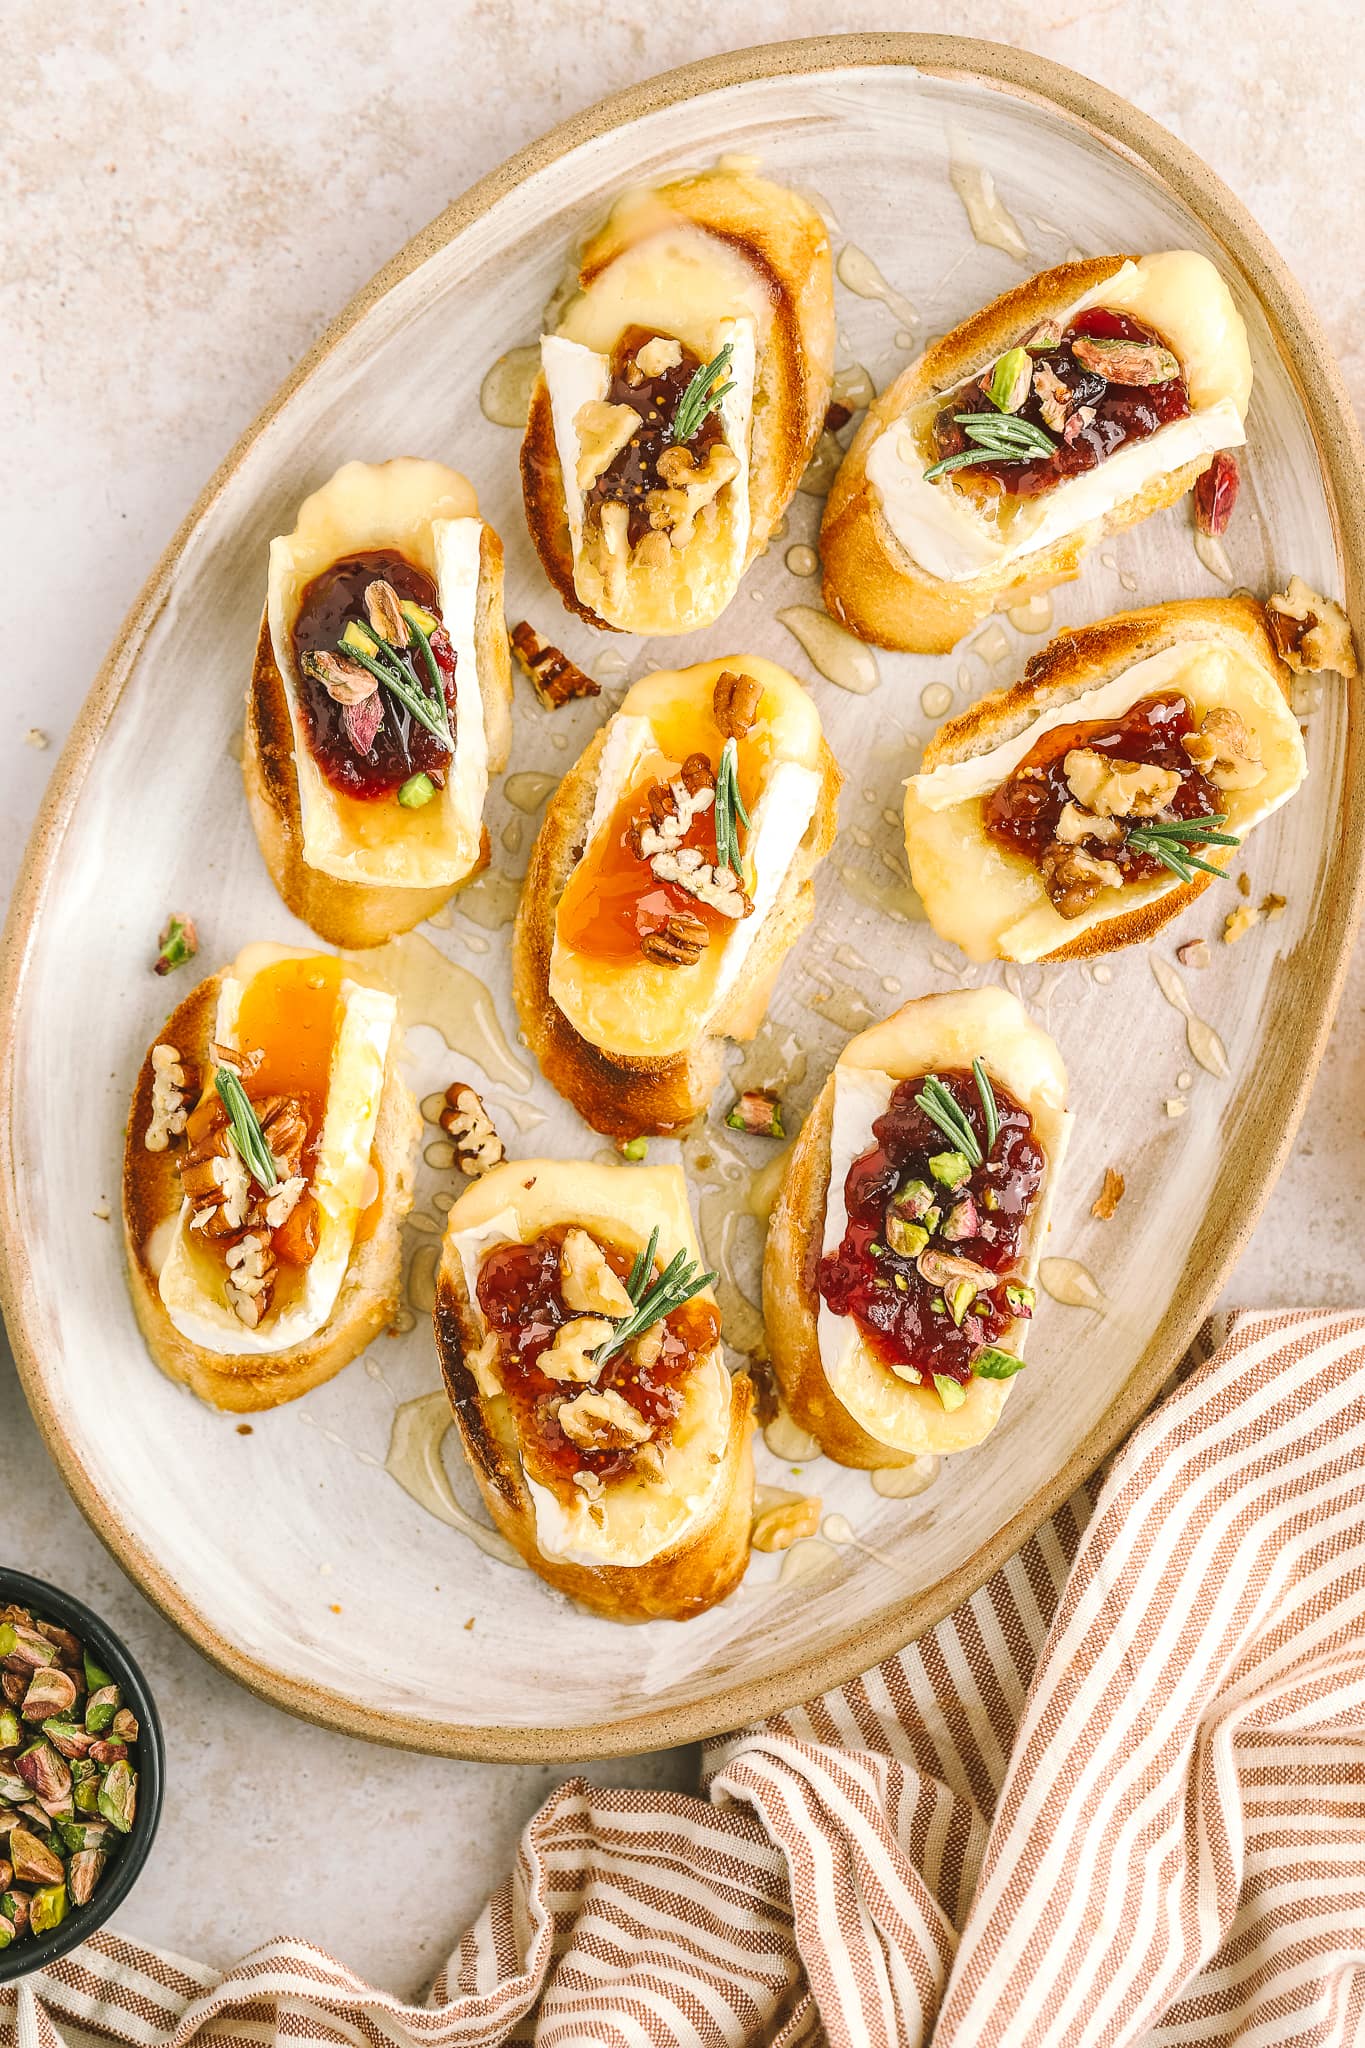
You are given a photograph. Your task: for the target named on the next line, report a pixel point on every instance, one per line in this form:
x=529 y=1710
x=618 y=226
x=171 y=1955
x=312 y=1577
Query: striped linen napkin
x=1118 y=1797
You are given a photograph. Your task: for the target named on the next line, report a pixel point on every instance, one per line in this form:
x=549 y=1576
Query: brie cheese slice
x=192 y=1277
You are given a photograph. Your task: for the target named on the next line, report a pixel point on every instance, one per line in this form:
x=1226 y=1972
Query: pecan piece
x=467 y=1124
x=171 y=1083
x=697 y=774
x=554 y=678
x=735 y=702
x=681 y=943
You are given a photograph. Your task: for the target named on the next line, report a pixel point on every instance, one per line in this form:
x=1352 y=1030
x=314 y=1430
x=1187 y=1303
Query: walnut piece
x=570 y=1356
x=1073 y=879
x=470 y=1129
x=1239 y=922
x=661 y=354
x=1116 y=788
x=1225 y=750
x=554 y=678
x=675 y=509
x=170 y=1085
x=786 y=1522
x=1074 y=825
x=1310 y=632
x=587 y=1280
x=734 y=703
x=602 y=1421
x=603 y=430
x=680 y=943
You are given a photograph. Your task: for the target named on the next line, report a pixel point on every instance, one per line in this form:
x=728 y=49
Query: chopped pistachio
x=960 y=1297
x=48 y=1773
x=101 y=1708
x=68 y=1738
x=13 y=1790
x=95 y=1679
x=991 y=1363
x=83 y=1873
x=949 y=1392
x=939 y=1306
x=28 y=1649
x=85 y=1795
x=51 y=1692
x=125 y=1725
x=634 y=1148
x=356 y=636
x=118 y=1796
x=7 y=1931
x=47 y=1908
x=1010 y=380
x=913 y=1198
x=1022 y=1300
x=950 y=1169
x=9 y=1636
x=11 y=1734
x=14 y=1906
x=179 y=942
x=909 y=1239
x=416 y=791
x=932 y=1218
x=34 y=1862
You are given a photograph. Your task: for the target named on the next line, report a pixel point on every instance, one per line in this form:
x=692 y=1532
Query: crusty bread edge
x=354 y=914
x=705 y=1564
x=871 y=585
x=369 y=1293
x=794 y=371
x=625 y=1097
x=1080 y=659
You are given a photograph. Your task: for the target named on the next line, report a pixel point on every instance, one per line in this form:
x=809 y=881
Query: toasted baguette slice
x=353 y=895
x=637 y=1046
x=723 y=257
x=152 y=1200
x=859 y=1412
x=916 y=569
x=644 y=1546
x=991 y=901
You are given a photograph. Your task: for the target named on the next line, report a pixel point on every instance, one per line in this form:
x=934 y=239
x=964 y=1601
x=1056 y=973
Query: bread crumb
x=1109 y=1196
x=335 y=1608
x=1244 y=883
x=244 y=1429
x=469 y=1624
x=101 y=1210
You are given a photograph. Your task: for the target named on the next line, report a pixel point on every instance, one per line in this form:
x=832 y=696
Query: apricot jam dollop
x=908 y=1317
x=520 y=1293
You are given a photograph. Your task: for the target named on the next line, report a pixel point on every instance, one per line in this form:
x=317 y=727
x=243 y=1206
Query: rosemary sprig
x=988 y=1105
x=654 y=1298
x=997 y=437
x=400 y=684
x=729 y=809
x=1168 y=840
x=700 y=399
x=942 y=1109
x=244 y=1129
x=423 y=639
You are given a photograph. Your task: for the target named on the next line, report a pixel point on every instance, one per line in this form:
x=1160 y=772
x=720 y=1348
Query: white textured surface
x=186 y=223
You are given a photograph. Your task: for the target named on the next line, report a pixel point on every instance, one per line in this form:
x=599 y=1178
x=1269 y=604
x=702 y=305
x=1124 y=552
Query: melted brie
x=427 y=513
x=701 y=578
x=946 y=1031
x=989 y=900
x=636 y=1519
x=1180 y=296
x=192 y=1277
x=641 y=1009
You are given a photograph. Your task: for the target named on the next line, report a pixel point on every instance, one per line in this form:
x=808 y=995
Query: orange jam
x=612 y=899
x=290 y=1014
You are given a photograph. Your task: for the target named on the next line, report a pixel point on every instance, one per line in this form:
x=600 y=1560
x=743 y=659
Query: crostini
x=380 y=699
x=580 y=1345
x=267 y=1167
x=1081 y=810
x=899 y=1275
x=679 y=399
x=1073 y=406
x=671 y=875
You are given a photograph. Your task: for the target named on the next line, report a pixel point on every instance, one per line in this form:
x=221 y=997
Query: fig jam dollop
x=1122 y=413
x=402 y=747
x=520 y=1293
x=904 y=1316
x=1023 y=812
x=635 y=471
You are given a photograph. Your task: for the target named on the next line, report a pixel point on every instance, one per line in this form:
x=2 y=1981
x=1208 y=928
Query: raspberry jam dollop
x=905 y=1317
x=521 y=1296
x=635 y=471
x=1123 y=413
x=402 y=747
x=1023 y=812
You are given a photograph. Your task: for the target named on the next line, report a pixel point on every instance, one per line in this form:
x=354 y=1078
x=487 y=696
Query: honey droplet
x=788 y=1441
x=856 y=270
x=839 y=657
x=935 y=699
x=1034 y=615
x=809 y=1559
x=528 y=789
x=422 y=1278
x=991 y=221
x=852 y=386
x=435 y=991
x=1214 y=556
x=819 y=472
x=1071 y=1283
x=802 y=561
x=414 y=1461
x=505 y=394
x=903 y=1482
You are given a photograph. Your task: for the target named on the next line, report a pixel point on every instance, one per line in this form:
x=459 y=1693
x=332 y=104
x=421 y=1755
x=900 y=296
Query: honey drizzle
x=435 y=991
x=414 y=1461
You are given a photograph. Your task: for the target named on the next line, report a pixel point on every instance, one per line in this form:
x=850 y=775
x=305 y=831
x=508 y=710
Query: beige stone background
x=191 y=192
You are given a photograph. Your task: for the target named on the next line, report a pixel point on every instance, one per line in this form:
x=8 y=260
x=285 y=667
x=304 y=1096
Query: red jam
x=1123 y=413
x=635 y=471
x=402 y=747
x=905 y=1317
x=521 y=1298
x=1023 y=812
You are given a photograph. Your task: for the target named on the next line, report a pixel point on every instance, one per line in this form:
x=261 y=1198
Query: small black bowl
x=47 y=1603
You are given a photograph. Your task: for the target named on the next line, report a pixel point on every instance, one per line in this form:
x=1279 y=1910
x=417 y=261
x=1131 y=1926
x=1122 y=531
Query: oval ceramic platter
x=325 y=1558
